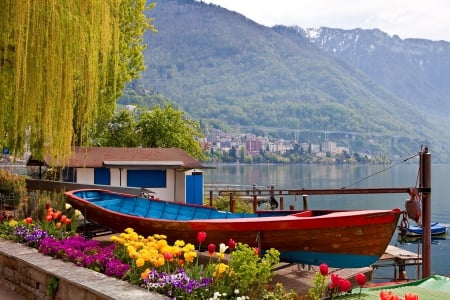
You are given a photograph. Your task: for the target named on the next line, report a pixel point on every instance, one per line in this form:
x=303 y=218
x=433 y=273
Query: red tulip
x=335 y=279
x=67 y=221
x=211 y=249
x=345 y=285
x=323 y=269
x=49 y=218
x=168 y=256
x=388 y=296
x=29 y=220
x=231 y=244
x=360 y=279
x=411 y=296
x=256 y=251
x=201 y=236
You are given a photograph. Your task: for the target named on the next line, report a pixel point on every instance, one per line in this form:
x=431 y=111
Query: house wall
x=117 y=177
x=85 y=175
x=180 y=187
x=175 y=182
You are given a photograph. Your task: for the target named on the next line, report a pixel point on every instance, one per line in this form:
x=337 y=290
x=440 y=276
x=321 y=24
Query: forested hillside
x=231 y=73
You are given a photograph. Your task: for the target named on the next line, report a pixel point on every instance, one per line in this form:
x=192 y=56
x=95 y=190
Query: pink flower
x=323 y=269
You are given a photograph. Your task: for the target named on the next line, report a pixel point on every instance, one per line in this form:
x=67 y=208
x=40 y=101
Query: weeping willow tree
x=63 y=64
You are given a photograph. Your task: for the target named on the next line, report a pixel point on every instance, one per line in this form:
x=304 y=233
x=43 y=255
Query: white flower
x=222 y=248
x=236 y=291
x=68 y=205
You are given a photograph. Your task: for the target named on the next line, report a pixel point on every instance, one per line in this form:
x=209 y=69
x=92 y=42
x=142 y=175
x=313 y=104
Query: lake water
x=351 y=176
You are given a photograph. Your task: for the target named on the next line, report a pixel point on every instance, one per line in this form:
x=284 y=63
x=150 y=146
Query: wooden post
x=232 y=203
x=281 y=203
x=211 y=198
x=255 y=203
x=291 y=207
x=425 y=185
x=305 y=202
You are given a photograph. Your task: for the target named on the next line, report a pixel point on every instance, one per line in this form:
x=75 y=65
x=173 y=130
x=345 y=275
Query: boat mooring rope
x=381 y=171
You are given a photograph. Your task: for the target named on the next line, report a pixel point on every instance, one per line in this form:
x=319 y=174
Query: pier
x=399 y=259
x=301 y=277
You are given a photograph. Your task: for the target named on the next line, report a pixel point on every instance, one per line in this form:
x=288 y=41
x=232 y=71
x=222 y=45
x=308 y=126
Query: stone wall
x=28 y=273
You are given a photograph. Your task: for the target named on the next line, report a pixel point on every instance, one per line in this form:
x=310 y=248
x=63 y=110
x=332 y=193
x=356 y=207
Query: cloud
x=406 y=18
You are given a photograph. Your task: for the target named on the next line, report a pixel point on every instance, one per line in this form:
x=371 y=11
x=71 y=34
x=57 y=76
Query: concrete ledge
x=27 y=272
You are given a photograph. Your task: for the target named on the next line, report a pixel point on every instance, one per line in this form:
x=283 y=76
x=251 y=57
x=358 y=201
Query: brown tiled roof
x=97 y=157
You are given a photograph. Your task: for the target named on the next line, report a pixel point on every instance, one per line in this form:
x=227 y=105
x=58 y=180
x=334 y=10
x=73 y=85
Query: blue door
x=194 y=188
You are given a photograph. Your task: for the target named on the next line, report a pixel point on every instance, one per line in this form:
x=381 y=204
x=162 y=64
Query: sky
x=427 y=19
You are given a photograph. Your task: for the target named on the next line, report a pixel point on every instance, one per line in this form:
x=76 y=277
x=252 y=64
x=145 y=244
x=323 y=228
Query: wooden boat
x=415 y=230
x=343 y=239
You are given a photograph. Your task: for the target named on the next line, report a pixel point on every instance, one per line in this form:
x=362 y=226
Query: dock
x=300 y=278
x=399 y=259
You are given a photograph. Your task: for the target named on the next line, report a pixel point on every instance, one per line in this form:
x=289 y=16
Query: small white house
x=170 y=173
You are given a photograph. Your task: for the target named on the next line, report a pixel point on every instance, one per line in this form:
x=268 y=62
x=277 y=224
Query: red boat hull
x=340 y=239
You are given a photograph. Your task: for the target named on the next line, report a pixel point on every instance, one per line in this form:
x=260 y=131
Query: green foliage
x=279 y=292
x=241 y=206
x=52 y=287
x=317 y=291
x=13 y=187
x=252 y=273
x=160 y=128
x=167 y=127
x=121 y=131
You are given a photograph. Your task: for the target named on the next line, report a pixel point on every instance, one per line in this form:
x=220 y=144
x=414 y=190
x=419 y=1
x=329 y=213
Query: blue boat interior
x=143 y=207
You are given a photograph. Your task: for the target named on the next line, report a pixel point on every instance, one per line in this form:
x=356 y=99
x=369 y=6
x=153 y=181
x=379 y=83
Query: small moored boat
x=342 y=239
x=416 y=230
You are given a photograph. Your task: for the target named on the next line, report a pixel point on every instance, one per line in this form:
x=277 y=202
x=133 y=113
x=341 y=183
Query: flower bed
x=152 y=263
x=35 y=276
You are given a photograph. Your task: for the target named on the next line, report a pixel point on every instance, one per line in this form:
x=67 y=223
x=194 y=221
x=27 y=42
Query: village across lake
x=346 y=176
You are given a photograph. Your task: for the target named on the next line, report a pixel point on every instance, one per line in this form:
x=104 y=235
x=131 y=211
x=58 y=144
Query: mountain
x=232 y=73
x=413 y=69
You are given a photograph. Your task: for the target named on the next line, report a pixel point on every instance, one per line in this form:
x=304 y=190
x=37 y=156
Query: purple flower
x=176 y=284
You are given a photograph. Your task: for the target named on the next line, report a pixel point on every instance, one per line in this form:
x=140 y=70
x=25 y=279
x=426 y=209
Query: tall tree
x=121 y=131
x=167 y=127
x=63 y=64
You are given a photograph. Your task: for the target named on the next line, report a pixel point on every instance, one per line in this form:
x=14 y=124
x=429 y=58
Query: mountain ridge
x=228 y=71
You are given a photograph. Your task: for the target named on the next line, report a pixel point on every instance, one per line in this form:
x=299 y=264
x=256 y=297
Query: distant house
x=170 y=173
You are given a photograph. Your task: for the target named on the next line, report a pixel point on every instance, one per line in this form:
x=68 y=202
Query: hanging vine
x=61 y=70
